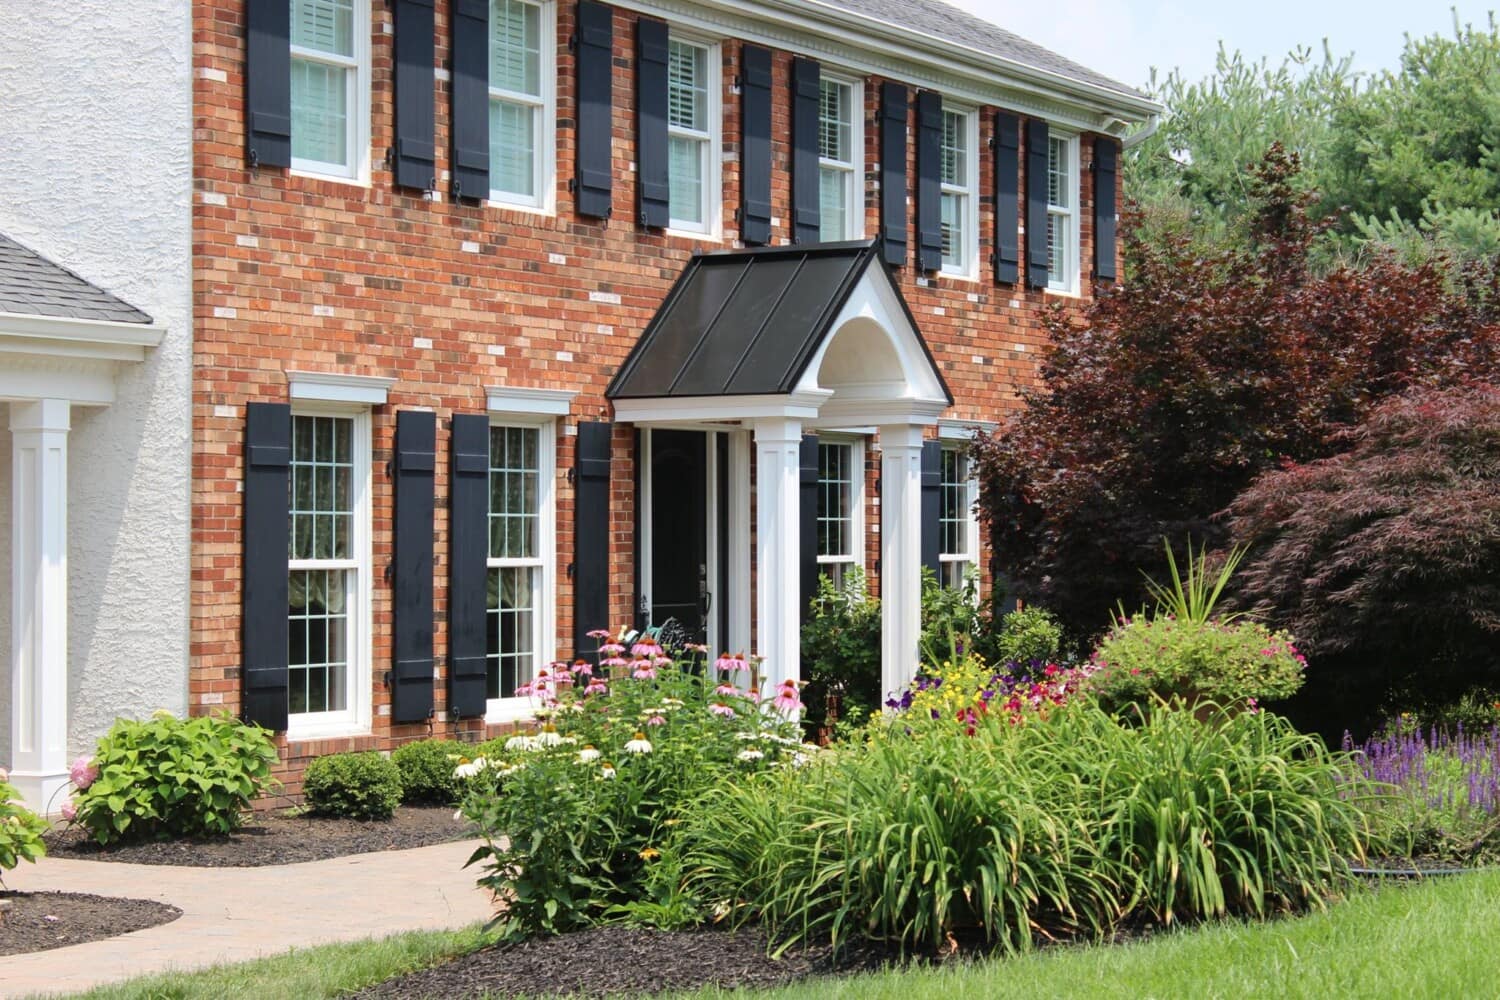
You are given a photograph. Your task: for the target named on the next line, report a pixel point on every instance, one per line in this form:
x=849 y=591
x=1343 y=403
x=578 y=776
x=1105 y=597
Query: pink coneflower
x=727 y=691
x=786 y=699
x=656 y=720
x=611 y=649
x=646 y=646
x=731 y=662
x=719 y=708
x=696 y=647
x=661 y=660
x=583 y=668
x=599 y=633
x=613 y=661
x=596 y=686
x=643 y=671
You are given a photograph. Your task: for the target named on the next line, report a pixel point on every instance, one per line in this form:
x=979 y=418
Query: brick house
x=513 y=319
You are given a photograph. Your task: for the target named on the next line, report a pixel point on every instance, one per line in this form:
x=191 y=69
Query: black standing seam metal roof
x=32 y=285
x=748 y=322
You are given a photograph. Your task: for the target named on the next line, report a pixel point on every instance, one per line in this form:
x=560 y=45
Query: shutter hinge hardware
x=572 y=475
x=254 y=158
x=387 y=679
x=390 y=571
x=573 y=42
x=454 y=714
x=991 y=143
x=570 y=570
x=390 y=158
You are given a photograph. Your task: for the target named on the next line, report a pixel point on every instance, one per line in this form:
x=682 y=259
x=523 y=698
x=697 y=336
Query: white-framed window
x=1062 y=213
x=328 y=568
x=330 y=87
x=522 y=96
x=958 y=528
x=841 y=482
x=840 y=160
x=959 y=173
x=693 y=127
x=521 y=585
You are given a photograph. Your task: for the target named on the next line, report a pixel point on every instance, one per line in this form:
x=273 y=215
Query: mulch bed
x=275 y=839
x=37 y=921
x=613 y=961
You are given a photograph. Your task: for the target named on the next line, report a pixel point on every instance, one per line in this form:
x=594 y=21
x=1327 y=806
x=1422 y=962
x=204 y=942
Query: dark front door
x=679 y=534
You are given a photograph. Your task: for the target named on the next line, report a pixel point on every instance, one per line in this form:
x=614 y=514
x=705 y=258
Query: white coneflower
x=750 y=755
x=606 y=770
x=588 y=754
x=469 y=768
x=639 y=744
x=522 y=743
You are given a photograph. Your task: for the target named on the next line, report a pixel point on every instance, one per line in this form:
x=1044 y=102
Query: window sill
x=361 y=181
x=1063 y=293
x=507 y=710
x=968 y=276
x=702 y=236
x=546 y=211
x=302 y=733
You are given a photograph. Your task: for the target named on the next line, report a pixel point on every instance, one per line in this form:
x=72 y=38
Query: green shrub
x=1143 y=658
x=170 y=777
x=1026 y=636
x=575 y=813
x=841 y=649
x=1067 y=825
x=357 y=785
x=20 y=829
x=426 y=768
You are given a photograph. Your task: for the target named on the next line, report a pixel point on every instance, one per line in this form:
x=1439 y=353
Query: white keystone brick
x=247 y=241
x=224 y=312
x=498 y=350
x=322 y=310
x=556 y=258
x=213 y=198
x=209 y=73
x=469 y=246
x=422 y=343
x=607 y=297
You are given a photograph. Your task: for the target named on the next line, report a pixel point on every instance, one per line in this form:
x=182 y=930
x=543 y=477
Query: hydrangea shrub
x=20 y=829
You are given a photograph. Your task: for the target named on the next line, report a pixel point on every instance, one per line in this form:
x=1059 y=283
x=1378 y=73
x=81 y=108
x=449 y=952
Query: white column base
x=39 y=599
x=778 y=626
x=900 y=555
x=43 y=793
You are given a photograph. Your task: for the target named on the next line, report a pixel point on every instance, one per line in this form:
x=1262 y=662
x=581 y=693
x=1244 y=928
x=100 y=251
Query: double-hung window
x=692 y=135
x=959 y=173
x=330 y=63
x=328 y=571
x=840 y=170
x=1062 y=213
x=958 y=532
x=840 y=509
x=521 y=99
x=521 y=556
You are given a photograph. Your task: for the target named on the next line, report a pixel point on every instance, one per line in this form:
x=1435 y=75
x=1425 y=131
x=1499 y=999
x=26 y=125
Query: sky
x=1124 y=39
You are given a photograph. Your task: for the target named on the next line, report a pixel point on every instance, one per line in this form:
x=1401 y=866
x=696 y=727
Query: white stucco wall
x=96 y=157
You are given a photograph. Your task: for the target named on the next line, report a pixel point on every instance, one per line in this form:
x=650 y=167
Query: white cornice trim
x=339 y=387
x=535 y=402
x=65 y=336
x=865 y=45
x=800 y=405
x=964 y=430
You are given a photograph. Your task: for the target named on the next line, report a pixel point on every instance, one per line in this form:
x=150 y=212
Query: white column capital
x=904 y=435
x=777 y=430
x=41 y=415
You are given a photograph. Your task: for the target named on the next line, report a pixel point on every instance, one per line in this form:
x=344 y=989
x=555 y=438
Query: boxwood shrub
x=363 y=785
x=427 y=770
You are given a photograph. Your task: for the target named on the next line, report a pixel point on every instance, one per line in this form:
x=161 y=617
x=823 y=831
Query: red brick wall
x=269 y=247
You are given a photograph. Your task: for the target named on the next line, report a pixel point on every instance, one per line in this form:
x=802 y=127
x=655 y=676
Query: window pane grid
x=687 y=86
x=320 y=111
x=513 y=129
x=953 y=514
x=1059 y=191
x=515 y=48
x=320 y=500
x=955 y=149
x=835 y=501
x=317 y=640
x=515 y=565
x=835 y=123
x=324 y=25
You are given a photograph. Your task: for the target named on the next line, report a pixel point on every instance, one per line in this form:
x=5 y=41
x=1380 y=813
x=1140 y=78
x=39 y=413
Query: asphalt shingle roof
x=32 y=285
x=931 y=17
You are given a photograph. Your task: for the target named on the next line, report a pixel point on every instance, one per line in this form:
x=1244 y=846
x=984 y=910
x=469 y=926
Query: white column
x=900 y=554
x=778 y=629
x=738 y=640
x=39 y=599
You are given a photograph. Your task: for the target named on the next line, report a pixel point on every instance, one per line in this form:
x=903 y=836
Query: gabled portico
x=781 y=341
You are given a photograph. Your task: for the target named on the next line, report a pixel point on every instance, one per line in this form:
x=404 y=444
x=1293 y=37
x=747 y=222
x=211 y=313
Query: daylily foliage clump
x=575 y=808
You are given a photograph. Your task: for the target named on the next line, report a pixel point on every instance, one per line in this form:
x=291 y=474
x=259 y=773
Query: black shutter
x=1106 y=156
x=929 y=181
x=808 y=522
x=470 y=99
x=651 y=181
x=416 y=157
x=1007 y=198
x=268 y=83
x=591 y=534
x=595 y=122
x=755 y=144
x=893 y=172
x=806 y=91
x=266 y=533
x=411 y=580
x=932 y=495
x=1038 y=263
x=468 y=552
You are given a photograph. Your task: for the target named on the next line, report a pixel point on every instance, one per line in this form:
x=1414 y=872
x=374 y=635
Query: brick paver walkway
x=236 y=914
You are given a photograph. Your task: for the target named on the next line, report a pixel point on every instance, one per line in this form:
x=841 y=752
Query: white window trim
x=1068 y=283
x=355 y=720
x=544 y=646
x=337 y=387
x=970 y=193
x=544 y=155
x=358 y=170
x=713 y=183
x=956 y=435
x=854 y=185
x=856 y=447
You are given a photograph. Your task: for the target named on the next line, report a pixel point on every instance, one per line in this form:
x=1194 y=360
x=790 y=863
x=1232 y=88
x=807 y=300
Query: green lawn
x=1440 y=939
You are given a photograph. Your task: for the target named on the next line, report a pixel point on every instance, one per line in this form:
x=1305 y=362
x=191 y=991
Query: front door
x=677 y=589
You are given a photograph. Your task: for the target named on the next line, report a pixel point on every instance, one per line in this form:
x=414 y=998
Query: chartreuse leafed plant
x=20 y=829
x=1063 y=826
x=170 y=777
x=576 y=810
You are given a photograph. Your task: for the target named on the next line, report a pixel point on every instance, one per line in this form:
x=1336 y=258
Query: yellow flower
x=648 y=853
